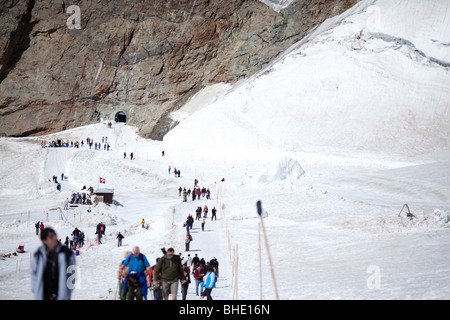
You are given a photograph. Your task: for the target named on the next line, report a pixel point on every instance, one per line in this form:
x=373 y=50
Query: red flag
x=102 y=180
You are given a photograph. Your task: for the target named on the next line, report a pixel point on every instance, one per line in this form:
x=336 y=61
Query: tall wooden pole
x=259 y=208
x=260 y=263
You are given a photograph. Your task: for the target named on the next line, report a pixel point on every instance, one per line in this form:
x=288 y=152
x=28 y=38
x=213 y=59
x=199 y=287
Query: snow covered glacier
x=374 y=79
x=334 y=137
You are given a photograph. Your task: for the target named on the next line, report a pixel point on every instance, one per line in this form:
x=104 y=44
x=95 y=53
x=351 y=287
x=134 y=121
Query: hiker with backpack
x=214 y=212
x=198 y=212
x=157 y=291
x=37 y=226
x=209 y=282
x=50 y=279
x=122 y=274
x=135 y=283
x=198 y=276
x=215 y=264
x=188 y=240
x=168 y=272
x=187 y=281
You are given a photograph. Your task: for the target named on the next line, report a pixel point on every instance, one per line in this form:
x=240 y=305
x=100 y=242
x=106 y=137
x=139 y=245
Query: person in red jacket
x=199 y=273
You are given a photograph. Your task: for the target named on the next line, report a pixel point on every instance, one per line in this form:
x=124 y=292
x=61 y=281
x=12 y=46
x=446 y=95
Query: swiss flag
x=102 y=180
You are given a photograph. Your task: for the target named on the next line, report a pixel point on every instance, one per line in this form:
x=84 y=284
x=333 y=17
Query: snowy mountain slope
x=363 y=81
x=324 y=232
x=330 y=137
x=143 y=189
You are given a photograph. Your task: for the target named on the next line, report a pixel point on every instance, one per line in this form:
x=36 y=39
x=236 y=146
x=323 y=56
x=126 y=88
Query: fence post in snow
x=260 y=262
x=259 y=210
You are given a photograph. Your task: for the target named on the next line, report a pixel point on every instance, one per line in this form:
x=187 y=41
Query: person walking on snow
x=199 y=273
x=209 y=282
x=124 y=155
x=143 y=223
x=214 y=211
x=188 y=240
x=50 y=279
x=135 y=284
x=189 y=261
x=119 y=239
x=168 y=272
x=37 y=226
x=187 y=281
x=198 y=212
x=121 y=275
x=205 y=211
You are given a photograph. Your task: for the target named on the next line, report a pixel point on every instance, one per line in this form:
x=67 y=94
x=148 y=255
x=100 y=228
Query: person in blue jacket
x=209 y=282
x=135 y=284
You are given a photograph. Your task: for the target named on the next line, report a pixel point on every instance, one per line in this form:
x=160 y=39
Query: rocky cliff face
x=145 y=58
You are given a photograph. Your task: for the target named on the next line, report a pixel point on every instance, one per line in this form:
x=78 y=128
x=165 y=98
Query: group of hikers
x=198 y=216
x=196 y=193
x=131 y=156
x=39 y=227
x=78 y=198
x=77 y=144
x=55 y=180
x=137 y=277
x=175 y=171
x=76 y=240
x=100 y=232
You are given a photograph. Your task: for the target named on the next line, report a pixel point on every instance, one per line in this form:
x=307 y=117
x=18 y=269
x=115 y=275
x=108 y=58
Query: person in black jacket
x=185 y=285
x=119 y=239
x=195 y=262
x=215 y=264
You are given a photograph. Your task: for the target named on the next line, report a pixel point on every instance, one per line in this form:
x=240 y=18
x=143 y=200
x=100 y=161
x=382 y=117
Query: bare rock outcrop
x=145 y=58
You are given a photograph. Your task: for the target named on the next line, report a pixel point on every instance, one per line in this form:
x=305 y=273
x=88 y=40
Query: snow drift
x=283 y=169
